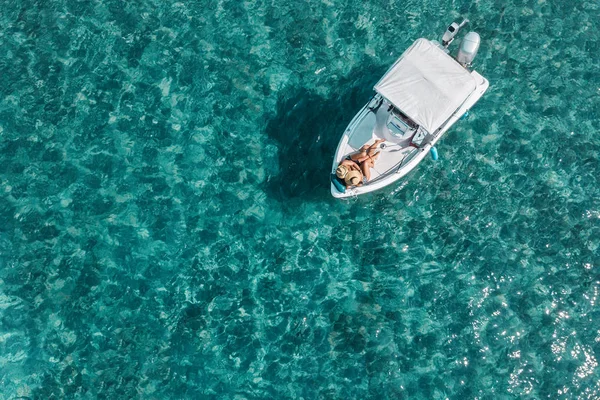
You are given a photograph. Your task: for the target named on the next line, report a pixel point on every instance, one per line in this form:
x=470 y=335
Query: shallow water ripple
x=166 y=227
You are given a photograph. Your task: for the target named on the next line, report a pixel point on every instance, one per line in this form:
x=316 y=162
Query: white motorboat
x=417 y=100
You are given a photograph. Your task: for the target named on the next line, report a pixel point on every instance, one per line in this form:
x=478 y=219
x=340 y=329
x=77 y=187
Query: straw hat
x=353 y=178
x=341 y=171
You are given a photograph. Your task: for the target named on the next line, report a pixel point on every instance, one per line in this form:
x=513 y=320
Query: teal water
x=167 y=231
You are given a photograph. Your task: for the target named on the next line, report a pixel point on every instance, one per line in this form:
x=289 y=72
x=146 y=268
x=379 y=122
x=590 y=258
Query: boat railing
x=407 y=157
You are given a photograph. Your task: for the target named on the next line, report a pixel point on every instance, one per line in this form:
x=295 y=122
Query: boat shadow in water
x=306 y=129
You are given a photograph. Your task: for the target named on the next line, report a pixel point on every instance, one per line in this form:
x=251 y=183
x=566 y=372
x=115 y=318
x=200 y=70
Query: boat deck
x=370 y=128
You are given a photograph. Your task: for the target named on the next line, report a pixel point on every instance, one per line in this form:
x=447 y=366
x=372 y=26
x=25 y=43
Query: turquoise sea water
x=167 y=231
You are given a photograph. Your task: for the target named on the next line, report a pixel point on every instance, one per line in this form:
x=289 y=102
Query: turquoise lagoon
x=167 y=231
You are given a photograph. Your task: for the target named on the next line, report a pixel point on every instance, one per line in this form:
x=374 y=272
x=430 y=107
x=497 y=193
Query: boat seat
x=363 y=133
x=381 y=118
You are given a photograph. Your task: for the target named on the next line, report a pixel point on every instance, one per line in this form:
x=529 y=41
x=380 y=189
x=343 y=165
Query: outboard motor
x=451 y=32
x=468 y=49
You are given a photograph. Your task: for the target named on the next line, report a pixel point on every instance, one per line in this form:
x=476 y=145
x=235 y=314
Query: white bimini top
x=426 y=84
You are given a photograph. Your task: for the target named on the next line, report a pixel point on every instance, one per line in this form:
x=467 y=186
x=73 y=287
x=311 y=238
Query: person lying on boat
x=355 y=170
x=367 y=152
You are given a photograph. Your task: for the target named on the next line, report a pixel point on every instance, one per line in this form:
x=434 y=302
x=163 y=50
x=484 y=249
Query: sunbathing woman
x=354 y=169
x=366 y=158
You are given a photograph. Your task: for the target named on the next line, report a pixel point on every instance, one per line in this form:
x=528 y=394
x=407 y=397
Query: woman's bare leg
x=366 y=151
x=376 y=144
x=361 y=155
x=374 y=155
x=366 y=169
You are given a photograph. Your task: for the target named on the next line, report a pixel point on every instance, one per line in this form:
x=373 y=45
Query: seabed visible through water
x=167 y=231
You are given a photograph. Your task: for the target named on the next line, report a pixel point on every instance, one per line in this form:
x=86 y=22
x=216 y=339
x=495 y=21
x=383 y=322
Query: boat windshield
x=404 y=119
x=419 y=139
x=398 y=127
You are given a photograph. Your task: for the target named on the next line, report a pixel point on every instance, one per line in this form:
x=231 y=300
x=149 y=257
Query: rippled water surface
x=167 y=231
